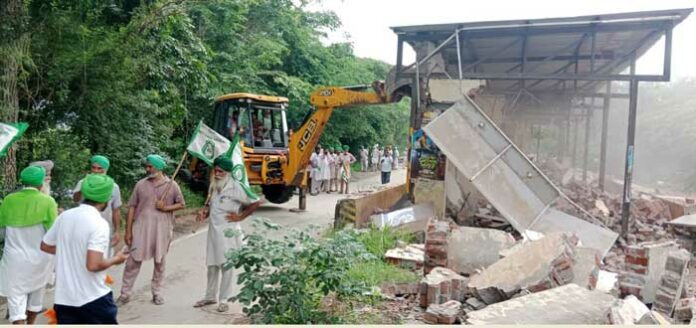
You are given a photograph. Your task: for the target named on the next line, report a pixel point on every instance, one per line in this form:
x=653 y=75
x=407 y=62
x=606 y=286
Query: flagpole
x=211 y=176
x=178 y=167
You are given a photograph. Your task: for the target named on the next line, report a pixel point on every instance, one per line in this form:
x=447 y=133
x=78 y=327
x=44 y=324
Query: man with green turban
x=346 y=159
x=24 y=269
x=229 y=204
x=82 y=236
x=112 y=212
x=150 y=226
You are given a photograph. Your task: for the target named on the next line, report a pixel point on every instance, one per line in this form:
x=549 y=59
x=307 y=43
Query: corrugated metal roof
x=550 y=46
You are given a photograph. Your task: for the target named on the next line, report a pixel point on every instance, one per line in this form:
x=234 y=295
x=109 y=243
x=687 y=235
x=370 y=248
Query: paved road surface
x=186 y=271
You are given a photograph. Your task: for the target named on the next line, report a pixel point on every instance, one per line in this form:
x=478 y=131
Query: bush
x=192 y=198
x=377 y=241
x=283 y=281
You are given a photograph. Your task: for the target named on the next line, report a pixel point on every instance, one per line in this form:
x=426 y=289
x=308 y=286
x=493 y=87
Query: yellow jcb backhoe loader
x=276 y=158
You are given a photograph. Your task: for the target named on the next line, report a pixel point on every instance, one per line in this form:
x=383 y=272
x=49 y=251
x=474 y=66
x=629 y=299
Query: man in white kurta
x=25 y=216
x=229 y=204
x=324 y=170
x=315 y=172
x=376 y=155
x=364 y=154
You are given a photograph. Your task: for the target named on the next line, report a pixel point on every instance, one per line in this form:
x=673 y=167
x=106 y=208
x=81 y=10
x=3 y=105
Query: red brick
x=636 y=251
x=431 y=250
x=637 y=260
x=445 y=288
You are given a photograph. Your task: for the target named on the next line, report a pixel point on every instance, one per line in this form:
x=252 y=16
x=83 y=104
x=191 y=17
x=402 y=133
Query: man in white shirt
x=386 y=166
x=79 y=239
x=229 y=204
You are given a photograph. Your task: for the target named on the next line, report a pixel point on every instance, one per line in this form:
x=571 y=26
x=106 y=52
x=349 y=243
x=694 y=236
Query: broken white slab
x=599 y=204
x=608 y=282
x=508 y=180
x=538 y=265
x=568 y=304
x=409 y=257
x=586 y=267
x=688 y=221
x=414 y=218
x=631 y=311
x=471 y=249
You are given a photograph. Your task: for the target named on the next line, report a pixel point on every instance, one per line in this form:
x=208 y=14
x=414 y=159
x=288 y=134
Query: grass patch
x=377 y=241
x=377 y=273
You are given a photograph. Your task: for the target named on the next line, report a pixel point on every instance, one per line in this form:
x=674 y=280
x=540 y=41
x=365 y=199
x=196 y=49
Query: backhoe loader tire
x=278 y=194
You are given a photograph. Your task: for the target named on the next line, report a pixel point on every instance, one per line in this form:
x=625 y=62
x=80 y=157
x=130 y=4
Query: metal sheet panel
x=510 y=182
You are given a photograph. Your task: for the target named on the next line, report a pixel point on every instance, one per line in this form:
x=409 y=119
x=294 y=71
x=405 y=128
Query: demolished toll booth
x=525 y=75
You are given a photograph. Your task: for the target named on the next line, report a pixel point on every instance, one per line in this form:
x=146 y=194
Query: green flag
x=239 y=173
x=9 y=134
x=206 y=144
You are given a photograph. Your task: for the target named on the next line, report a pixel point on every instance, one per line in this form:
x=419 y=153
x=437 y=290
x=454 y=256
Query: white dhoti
x=229 y=200
x=24 y=270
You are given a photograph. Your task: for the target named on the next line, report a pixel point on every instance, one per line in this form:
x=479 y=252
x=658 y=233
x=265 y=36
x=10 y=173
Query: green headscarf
x=32 y=176
x=346 y=148
x=98 y=188
x=157 y=161
x=101 y=161
x=224 y=163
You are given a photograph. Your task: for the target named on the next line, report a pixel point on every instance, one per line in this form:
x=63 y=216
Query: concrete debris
x=608 y=282
x=569 y=304
x=602 y=208
x=631 y=311
x=413 y=219
x=446 y=313
x=475 y=303
x=441 y=285
x=411 y=257
x=685 y=310
x=645 y=264
x=400 y=289
x=586 y=267
x=672 y=282
x=472 y=249
x=505 y=177
x=539 y=265
x=661 y=320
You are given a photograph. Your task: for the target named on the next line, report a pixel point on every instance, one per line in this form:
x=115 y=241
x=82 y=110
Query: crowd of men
x=76 y=245
x=330 y=167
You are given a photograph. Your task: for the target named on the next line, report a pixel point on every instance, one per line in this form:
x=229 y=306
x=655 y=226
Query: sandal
x=122 y=300
x=157 y=299
x=223 y=307
x=203 y=303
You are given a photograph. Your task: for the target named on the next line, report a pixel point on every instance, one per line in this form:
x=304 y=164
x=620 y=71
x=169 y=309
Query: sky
x=366 y=23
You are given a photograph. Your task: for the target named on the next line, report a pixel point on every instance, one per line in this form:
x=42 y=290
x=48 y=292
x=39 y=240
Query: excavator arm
x=305 y=139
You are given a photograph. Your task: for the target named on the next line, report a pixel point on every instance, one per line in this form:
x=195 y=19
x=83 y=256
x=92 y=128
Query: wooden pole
x=178 y=167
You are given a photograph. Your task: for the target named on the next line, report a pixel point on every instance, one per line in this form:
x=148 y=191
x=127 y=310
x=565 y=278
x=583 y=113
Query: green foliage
x=68 y=153
x=129 y=78
x=377 y=241
x=193 y=199
x=284 y=280
x=376 y=273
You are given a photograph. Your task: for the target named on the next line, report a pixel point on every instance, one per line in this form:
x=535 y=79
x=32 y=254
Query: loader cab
x=260 y=121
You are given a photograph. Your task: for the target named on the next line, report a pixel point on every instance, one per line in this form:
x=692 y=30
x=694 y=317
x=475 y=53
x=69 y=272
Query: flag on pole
x=239 y=173
x=206 y=144
x=9 y=134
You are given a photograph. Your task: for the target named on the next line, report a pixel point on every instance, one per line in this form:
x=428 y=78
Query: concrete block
x=652 y=256
x=568 y=304
x=539 y=265
x=586 y=267
x=411 y=257
x=629 y=311
x=413 y=218
x=445 y=313
x=471 y=249
x=441 y=285
x=608 y=282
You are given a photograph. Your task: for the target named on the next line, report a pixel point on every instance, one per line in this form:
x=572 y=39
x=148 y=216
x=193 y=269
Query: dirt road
x=186 y=272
